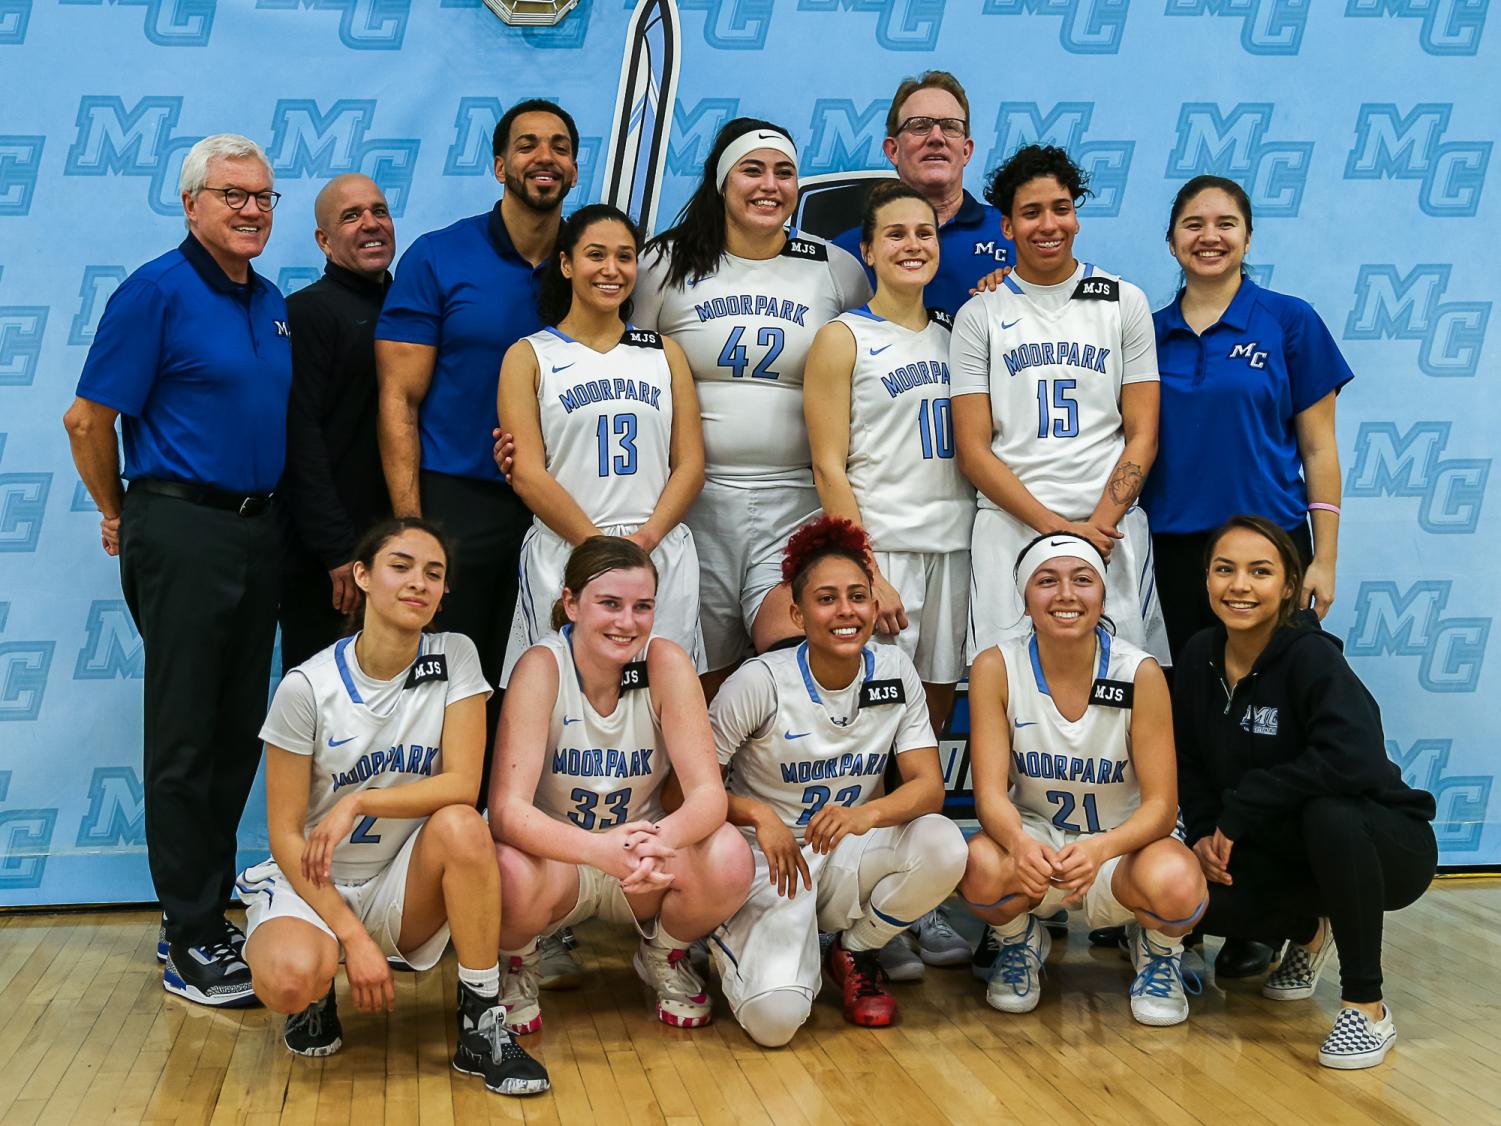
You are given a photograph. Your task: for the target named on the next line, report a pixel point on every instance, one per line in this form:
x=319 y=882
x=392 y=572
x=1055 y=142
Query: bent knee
x=291 y=982
x=1328 y=818
x=773 y=1018
x=461 y=831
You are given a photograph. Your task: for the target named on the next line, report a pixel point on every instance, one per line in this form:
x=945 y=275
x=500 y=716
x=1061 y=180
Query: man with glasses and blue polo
x=194 y=352
x=929 y=144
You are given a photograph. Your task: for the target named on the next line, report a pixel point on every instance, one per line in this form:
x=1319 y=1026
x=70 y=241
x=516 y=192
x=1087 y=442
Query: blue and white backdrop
x=1361 y=128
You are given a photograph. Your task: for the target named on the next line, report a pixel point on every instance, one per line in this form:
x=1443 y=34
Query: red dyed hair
x=828 y=535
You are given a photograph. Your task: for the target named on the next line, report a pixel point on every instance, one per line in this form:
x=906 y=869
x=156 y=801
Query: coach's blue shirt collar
x=213 y=274
x=971 y=213
x=1237 y=314
x=500 y=238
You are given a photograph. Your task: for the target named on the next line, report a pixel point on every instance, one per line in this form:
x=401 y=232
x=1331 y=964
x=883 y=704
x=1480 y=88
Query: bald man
x=334 y=486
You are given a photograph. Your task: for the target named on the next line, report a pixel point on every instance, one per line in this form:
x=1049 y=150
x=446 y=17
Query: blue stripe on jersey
x=1102 y=635
x=1011 y=285
x=354 y=693
x=808 y=682
x=717 y=941
x=561 y=335
x=864 y=311
x=1089 y=269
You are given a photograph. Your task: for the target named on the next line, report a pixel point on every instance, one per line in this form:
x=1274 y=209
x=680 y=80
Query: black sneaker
x=235 y=937
x=1057 y=924
x=487 y=1049
x=211 y=974
x=316 y=1030
x=985 y=955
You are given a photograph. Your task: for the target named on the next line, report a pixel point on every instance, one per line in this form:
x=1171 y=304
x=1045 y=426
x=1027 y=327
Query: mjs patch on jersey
x=634 y=675
x=805 y=248
x=1112 y=693
x=424 y=669
x=876 y=692
x=641 y=338
x=1097 y=289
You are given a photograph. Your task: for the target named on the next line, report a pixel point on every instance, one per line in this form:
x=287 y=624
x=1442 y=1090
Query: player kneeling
x=373 y=757
x=1075 y=724
x=805 y=734
x=595 y=718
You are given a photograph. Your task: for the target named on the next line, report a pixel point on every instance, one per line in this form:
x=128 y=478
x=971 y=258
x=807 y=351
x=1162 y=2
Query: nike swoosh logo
x=569 y=719
x=770 y=137
x=798 y=735
x=1025 y=723
x=561 y=367
x=878 y=351
x=1059 y=543
x=332 y=742
x=364 y=322
x=1004 y=325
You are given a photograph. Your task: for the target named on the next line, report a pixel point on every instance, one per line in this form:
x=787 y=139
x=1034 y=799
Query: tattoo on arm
x=1126 y=483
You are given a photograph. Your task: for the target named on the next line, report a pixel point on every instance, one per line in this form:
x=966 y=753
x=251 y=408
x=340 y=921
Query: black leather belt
x=237 y=503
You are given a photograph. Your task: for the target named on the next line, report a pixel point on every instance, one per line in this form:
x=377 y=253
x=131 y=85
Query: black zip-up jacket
x=1299 y=725
x=334 y=485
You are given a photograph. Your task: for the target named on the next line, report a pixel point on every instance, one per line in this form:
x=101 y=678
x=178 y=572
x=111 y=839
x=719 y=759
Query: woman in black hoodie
x=1301 y=823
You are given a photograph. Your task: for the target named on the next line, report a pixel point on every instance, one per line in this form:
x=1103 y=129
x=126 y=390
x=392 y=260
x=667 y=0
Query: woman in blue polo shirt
x=1249 y=378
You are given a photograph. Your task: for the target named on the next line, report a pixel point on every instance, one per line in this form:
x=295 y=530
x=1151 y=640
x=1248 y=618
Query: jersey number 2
x=816 y=797
x=733 y=355
x=622 y=464
x=361 y=833
x=617 y=804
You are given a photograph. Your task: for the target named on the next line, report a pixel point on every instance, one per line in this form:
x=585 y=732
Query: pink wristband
x=1320 y=506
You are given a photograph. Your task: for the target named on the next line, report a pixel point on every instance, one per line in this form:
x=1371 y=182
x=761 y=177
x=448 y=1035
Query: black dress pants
x=309 y=622
x=202 y=585
x=484 y=522
x=1350 y=859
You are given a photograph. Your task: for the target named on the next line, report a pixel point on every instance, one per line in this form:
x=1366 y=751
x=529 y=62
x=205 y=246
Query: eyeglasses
x=236 y=198
x=953 y=127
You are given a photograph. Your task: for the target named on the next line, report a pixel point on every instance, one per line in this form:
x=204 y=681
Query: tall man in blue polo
x=194 y=351
x=929 y=144
x=462 y=296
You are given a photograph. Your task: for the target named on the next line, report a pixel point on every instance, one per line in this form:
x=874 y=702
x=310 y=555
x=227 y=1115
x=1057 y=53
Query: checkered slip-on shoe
x=1298 y=974
x=1357 y=1041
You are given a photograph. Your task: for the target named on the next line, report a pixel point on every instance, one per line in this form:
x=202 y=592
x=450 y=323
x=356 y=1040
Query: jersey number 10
x=935 y=428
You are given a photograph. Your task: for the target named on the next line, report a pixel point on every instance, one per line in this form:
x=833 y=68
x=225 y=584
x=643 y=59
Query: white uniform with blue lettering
x=1070 y=778
x=607 y=435
x=602 y=771
x=914 y=503
x=364 y=734
x=796 y=745
x=746 y=330
x=1053 y=360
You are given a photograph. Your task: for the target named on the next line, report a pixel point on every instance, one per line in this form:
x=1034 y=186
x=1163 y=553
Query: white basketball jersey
x=816 y=746
x=1079 y=775
x=1057 y=357
x=606 y=422
x=601 y=771
x=374 y=735
x=746 y=331
x=901 y=462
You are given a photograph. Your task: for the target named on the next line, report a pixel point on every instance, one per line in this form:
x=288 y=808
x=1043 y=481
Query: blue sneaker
x=1016 y=977
x=213 y=974
x=1159 y=993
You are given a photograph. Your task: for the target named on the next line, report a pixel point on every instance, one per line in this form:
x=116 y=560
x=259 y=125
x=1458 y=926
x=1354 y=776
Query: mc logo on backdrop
x=140 y=140
x=14 y=16
x=733 y=25
x=1089 y=27
x=364 y=25
x=1463 y=800
x=169 y=23
x=1391 y=463
x=20 y=162
x=25 y=839
x=1450 y=27
x=93 y=292
x=1235 y=145
x=305 y=141
x=1395 y=306
x=1391 y=145
x=23 y=505
x=901 y=25
x=1268 y=27
x=1411 y=623
x=1108 y=163
x=22 y=328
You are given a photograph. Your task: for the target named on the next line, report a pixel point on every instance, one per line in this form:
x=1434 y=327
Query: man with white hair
x=194 y=351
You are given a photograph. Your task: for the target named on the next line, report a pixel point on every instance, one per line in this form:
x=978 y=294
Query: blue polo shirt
x=1226 y=442
x=970 y=245
x=200 y=368
x=465 y=291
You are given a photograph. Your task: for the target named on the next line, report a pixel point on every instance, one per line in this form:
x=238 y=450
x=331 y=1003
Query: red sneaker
x=859 y=975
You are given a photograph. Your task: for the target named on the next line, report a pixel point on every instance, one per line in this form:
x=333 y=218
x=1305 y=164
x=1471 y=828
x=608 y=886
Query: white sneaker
x=900 y=961
x=1357 y=1041
x=938 y=943
x=682 y=1000
x=1016 y=976
x=558 y=967
x=1159 y=993
x=519 y=981
x=1297 y=975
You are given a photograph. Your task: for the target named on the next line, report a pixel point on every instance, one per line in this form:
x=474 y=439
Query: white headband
x=1064 y=545
x=747 y=143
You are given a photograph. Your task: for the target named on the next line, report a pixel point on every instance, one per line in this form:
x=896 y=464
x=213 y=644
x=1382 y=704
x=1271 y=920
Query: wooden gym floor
x=87 y=1035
